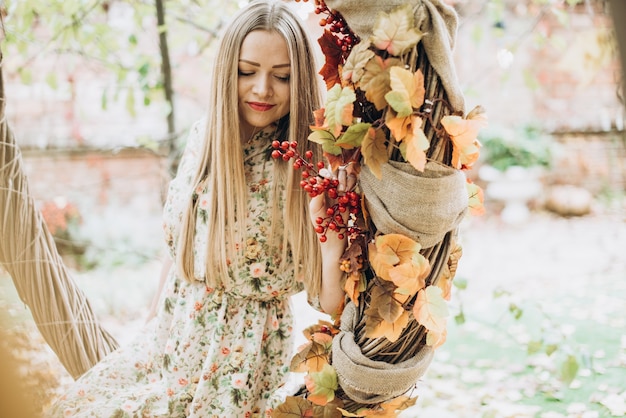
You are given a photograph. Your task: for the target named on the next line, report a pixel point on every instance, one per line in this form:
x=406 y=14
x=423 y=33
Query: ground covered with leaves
x=538 y=325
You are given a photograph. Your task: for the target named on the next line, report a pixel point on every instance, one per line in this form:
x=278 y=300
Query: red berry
x=308 y=154
x=323 y=238
x=275 y=143
x=276 y=154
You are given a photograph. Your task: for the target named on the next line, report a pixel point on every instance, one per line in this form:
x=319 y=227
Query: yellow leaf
x=339 y=108
x=407 y=90
x=476 y=198
x=354 y=68
x=396 y=32
x=416 y=145
x=403 y=246
x=430 y=309
x=322 y=385
x=374 y=150
x=436 y=339
x=399 y=127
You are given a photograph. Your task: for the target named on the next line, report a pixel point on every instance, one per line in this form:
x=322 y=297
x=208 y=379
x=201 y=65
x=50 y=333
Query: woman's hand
x=333 y=246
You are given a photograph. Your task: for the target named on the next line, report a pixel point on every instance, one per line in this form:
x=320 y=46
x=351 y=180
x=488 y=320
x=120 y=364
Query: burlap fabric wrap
x=367 y=381
x=424 y=206
x=436 y=19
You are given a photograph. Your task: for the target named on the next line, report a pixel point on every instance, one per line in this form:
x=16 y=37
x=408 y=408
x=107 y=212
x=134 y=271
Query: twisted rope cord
x=28 y=253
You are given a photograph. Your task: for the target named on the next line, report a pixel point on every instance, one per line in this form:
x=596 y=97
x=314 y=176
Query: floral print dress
x=209 y=352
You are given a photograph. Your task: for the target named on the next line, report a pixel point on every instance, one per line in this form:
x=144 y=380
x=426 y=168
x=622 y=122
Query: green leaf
x=51 y=80
x=459 y=318
x=569 y=369
x=460 y=283
x=326 y=140
x=534 y=347
x=353 y=136
x=130 y=101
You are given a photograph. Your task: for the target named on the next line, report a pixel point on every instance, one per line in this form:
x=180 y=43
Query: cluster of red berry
x=344 y=202
x=337 y=25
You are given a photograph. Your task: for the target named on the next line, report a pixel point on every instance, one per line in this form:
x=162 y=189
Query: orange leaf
x=312 y=358
x=399 y=127
x=374 y=150
x=416 y=145
x=409 y=277
x=391 y=408
x=463 y=133
x=376 y=327
x=321 y=326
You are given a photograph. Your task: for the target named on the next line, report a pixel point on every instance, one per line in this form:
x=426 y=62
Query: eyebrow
x=256 y=64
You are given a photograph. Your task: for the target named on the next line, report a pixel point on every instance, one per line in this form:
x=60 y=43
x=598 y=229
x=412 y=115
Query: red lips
x=261 y=107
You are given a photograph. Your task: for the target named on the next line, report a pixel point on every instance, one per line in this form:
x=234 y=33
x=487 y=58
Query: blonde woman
x=239 y=229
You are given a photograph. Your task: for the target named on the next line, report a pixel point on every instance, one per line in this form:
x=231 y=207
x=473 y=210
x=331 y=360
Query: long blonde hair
x=222 y=155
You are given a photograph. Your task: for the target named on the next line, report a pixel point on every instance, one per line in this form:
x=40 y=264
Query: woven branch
x=60 y=310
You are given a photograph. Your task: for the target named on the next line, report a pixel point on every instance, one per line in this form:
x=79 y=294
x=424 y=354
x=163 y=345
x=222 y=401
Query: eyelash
x=284 y=79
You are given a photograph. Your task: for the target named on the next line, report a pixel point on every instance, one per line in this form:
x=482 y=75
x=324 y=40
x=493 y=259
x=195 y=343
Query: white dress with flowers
x=209 y=352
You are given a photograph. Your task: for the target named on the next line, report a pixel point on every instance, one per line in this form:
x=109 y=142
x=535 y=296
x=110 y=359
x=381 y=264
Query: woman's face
x=263 y=82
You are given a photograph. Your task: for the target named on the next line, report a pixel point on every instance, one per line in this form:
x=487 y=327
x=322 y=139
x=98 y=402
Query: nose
x=262 y=86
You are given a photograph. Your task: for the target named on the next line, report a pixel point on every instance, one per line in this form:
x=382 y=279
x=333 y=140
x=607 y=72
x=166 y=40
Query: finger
x=317 y=205
x=351 y=182
x=342 y=177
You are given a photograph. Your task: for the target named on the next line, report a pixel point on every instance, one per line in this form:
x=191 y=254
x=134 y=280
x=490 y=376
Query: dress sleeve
x=180 y=188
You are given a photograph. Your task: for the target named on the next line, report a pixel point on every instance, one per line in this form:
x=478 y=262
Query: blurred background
x=101 y=93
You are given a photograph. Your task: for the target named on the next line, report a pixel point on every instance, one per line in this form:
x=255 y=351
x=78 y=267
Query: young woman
x=239 y=230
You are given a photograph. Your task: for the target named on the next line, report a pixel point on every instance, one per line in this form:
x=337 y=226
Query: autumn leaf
x=294 y=407
x=322 y=385
x=374 y=151
x=355 y=284
x=330 y=410
x=430 y=309
x=354 y=68
x=410 y=277
x=339 y=108
x=311 y=358
x=376 y=326
x=375 y=80
x=476 y=198
x=383 y=300
x=326 y=140
x=436 y=339
x=399 y=127
x=402 y=245
x=382 y=260
x=391 y=408
x=396 y=32
x=463 y=133
x=449 y=271
x=407 y=91
x=415 y=145
x=353 y=136
x=321 y=327
x=333 y=55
